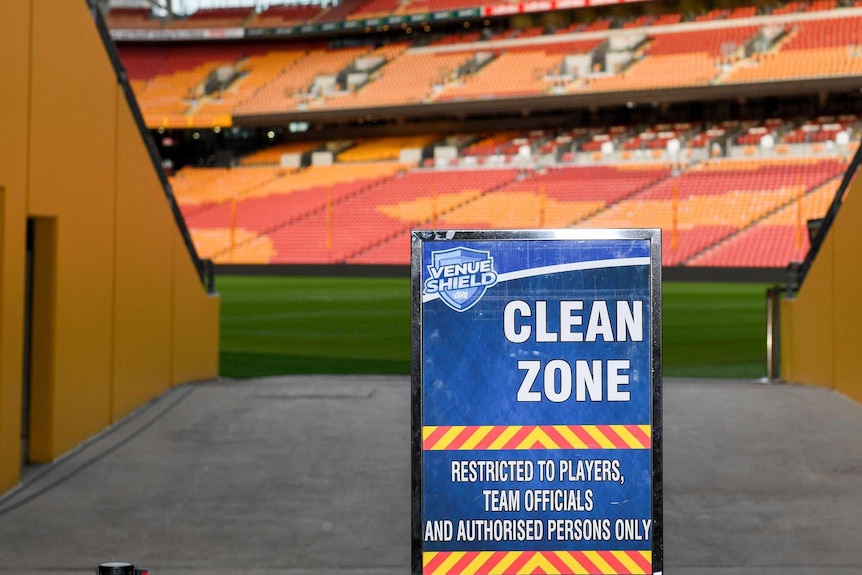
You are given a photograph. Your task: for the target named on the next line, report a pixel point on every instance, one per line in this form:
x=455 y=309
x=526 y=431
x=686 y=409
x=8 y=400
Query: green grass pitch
x=297 y=325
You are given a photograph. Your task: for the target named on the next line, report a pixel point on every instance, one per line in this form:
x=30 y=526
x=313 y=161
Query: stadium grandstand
x=221 y=200
x=726 y=124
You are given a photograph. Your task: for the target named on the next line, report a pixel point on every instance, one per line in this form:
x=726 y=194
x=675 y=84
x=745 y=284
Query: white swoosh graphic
x=555 y=269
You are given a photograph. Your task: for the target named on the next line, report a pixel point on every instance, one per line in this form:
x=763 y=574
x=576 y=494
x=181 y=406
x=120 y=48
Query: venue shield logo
x=460 y=276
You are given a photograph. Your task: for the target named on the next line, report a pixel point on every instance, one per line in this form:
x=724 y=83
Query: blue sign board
x=536 y=402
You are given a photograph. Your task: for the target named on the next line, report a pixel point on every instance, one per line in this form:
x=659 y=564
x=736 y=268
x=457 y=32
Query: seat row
x=201 y=86
x=363 y=212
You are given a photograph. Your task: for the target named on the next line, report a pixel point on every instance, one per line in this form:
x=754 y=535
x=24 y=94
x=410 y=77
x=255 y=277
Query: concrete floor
x=311 y=476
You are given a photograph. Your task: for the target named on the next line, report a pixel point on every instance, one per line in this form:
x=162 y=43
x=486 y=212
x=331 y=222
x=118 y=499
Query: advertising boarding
x=536 y=418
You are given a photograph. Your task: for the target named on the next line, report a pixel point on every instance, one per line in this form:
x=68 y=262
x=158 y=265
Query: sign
x=536 y=385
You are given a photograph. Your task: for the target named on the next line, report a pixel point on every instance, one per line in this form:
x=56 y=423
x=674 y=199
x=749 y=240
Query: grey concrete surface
x=310 y=475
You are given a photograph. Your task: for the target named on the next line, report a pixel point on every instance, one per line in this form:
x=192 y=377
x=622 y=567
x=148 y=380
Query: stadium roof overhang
x=464 y=109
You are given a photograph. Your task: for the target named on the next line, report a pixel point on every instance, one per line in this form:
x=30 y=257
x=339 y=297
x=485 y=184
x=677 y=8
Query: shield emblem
x=462 y=298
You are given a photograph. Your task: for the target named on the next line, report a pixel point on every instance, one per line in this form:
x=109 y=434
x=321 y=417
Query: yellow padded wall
x=72 y=177
x=807 y=346
x=144 y=247
x=14 y=111
x=821 y=331
x=196 y=325
x=848 y=306
x=121 y=313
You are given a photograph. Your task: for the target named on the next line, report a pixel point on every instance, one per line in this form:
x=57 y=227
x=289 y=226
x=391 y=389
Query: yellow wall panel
x=811 y=344
x=113 y=328
x=785 y=339
x=823 y=331
x=144 y=273
x=196 y=326
x=14 y=111
x=848 y=279
x=72 y=176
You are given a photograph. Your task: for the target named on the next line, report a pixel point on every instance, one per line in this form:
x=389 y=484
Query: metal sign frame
x=476 y=259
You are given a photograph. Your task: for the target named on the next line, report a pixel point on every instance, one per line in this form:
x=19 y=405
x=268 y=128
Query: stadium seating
x=516 y=72
x=195 y=187
x=777 y=240
x=714 y=43
x=814 y=48
x=285 y=15
x=374 y=9
x=131 y=19
x=557 y=197
x=340 y=12
x=409 y=79
x=292 y=87
x=170 y=84
x=273 y=154
x=381 y=212
x=269 y=202
x=381 y=149
x=273 y=78
x=789 y=8
x=709 y=203
x=215 y=18
x=660 y=72
x=360 y=209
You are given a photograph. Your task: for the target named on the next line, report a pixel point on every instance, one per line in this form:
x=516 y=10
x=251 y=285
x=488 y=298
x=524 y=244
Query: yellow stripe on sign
x=477 y=436
x=476 y=564
x=627 y=436
x=504 y=563
x=624 y=558
x=572 y=563
x=504 y=437
x=450 y=435
x=427 y=431
x=647 y=555
x=539 y=561
x=597 y=560
x=538 y=435
x=599 y=437
x=427 y=556
x=569 y=435
x=646 y=429
x=449 y=562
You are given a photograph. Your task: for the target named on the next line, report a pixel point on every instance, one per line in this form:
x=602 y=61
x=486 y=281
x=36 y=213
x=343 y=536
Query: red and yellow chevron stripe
x=495 y=437
x=537 y=562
